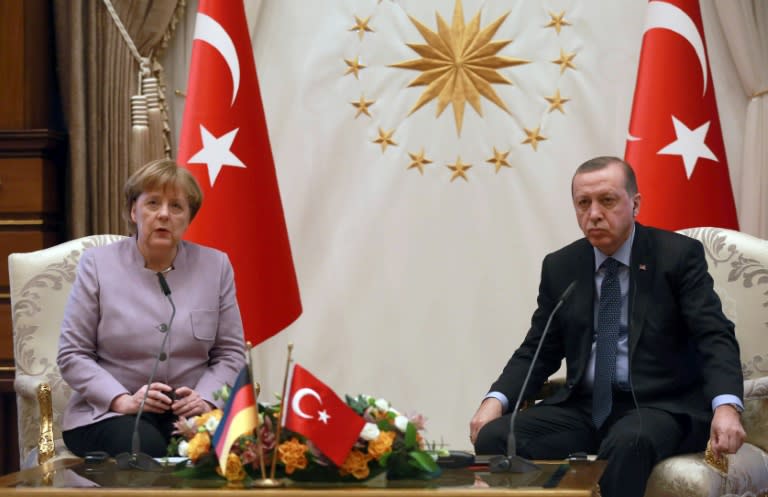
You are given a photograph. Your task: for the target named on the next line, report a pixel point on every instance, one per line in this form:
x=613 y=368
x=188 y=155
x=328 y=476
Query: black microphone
x=137 y=459
x=512 y=463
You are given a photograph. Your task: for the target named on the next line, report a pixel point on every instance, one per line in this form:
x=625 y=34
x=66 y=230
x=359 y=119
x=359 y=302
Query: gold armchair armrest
x=719 y=463
x=38 y=391
x=45 y=445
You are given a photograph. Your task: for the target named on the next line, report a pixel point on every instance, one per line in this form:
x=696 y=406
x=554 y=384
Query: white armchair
x=40 y=283
x=739 y=265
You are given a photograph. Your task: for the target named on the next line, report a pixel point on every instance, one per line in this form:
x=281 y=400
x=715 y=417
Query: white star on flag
x=689 y=145
x=216 y=152
x=323 y=416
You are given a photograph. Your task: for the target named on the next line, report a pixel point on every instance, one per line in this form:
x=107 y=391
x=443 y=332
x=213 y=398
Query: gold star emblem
x=557 y=21
x=556 y=102
x=385 y=139
x=353 y=66
x=362 y=106
x=459 y=169
x=565 y=61
x=533 y=137
x=361 y=26
x=499 y=159
x=459 y=64
x=418 y=161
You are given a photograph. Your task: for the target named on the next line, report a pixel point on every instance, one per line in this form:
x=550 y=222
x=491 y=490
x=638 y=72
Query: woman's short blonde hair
x=157 y=175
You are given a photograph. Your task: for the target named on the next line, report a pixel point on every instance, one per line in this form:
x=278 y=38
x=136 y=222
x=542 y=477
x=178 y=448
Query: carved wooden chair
x=40 y=283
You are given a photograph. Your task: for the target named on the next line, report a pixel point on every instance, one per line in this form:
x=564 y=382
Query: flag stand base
x=267 y=483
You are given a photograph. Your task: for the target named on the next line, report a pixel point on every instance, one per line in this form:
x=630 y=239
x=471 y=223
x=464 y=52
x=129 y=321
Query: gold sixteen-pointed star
x=557 y=21
x=354 y=66
x=361 y=26
x=499 y=159
x=385 y=139
x=565 y=61
x=418 y=161
x=459 y=169
x=556 y=102
x=534 y=137
x=362 y=106
x=459 y=63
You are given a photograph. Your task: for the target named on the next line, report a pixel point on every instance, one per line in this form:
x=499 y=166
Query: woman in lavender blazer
x=118 y=314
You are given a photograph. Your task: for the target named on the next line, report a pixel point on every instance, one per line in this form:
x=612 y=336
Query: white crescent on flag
x=207 y=29
x=296 y=401
x=667 y=16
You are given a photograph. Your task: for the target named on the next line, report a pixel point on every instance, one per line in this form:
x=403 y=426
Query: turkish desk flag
x=224 y=143
x=675 y=143
x=316 y=412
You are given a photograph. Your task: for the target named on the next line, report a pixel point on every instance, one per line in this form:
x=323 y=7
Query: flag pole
x=256 y=392
x=282 y=412
x=264 y=482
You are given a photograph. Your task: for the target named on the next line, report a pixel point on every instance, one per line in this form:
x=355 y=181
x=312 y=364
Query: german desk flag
x=240 y=417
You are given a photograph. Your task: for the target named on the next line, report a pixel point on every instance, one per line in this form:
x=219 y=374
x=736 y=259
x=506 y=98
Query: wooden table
x=73 y=478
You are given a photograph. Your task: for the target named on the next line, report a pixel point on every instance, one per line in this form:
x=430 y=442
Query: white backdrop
x=417 y=288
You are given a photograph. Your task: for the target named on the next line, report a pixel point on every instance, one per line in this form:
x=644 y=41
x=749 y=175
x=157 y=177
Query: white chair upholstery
x=739 y=265
x=40 y=283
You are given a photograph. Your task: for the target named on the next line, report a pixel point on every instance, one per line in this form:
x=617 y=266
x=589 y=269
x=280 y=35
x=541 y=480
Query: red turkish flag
x=675 y=143
x=316 y=412
x=224 y=143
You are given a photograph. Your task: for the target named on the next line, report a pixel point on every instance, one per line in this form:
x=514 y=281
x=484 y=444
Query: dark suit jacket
x=682 y=349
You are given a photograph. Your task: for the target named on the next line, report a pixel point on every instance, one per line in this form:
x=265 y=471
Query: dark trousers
x=632 y=440
x=114 y=435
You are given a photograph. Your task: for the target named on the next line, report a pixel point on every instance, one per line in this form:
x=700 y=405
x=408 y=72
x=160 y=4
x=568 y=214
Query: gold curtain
x=98 y=75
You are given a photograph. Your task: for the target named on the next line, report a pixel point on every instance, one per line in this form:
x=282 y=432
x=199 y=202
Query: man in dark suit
x=652 y=367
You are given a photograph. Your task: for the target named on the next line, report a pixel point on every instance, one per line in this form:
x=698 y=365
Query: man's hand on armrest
x=727 y=433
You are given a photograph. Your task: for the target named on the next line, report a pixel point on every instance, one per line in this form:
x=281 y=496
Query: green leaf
x=358 y=404
x=410 y=436
x=424 y=461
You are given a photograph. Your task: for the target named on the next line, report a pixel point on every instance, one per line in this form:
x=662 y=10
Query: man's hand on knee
x=489 y=410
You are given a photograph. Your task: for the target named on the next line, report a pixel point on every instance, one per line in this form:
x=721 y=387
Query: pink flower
x=418 y=420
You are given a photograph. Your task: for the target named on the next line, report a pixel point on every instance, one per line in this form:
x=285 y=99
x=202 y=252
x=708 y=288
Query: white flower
x=184 y=448
x=369 y=432
x=382 y=404
x=212 y=424
x=401 y=422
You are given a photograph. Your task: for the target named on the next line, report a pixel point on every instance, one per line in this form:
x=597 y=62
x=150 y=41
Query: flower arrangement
x=390 y=442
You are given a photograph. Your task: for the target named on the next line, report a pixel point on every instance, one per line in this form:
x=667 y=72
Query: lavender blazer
x=110 y=336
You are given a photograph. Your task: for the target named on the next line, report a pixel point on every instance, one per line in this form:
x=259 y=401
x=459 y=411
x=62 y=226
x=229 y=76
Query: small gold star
x=418 y=161
x=499 y=159
x=354 y=66
x=556 y=102
x=533 y=137
x=362 y=106
x=557 y=21
x=361 y=26
x=565 y=61
x=385 y=139
x=459 y=169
